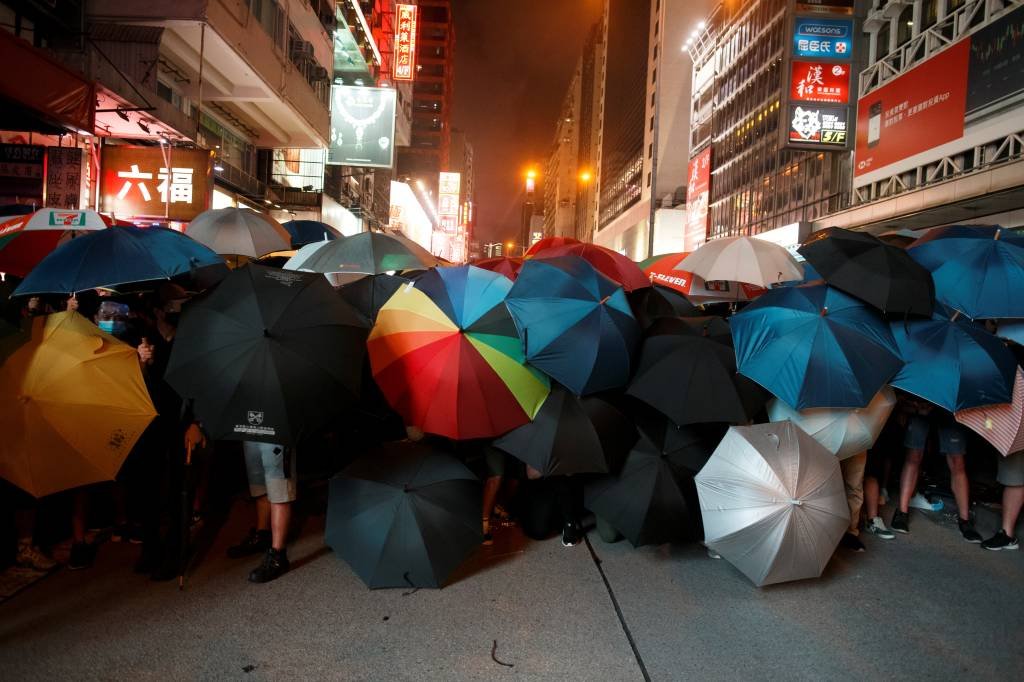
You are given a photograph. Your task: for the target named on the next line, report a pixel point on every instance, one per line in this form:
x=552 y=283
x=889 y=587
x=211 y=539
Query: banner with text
x=168 y=182
x=698 y=191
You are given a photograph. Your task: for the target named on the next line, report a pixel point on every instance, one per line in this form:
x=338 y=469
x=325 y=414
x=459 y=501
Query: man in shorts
x=1011 y=475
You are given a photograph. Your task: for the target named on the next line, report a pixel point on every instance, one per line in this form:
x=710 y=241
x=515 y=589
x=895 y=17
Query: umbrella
x=304 y=232
x=547 y=243
x=611 y=264
x=503 y=265
x=370 y=253
x=27 y=239
x=269 y=356
x=1000 y=425
x=952 y=362
x=571 y=435
x=975 y=269
x=575 y=323
x=844 y=432
x=662 y=272
x=370 y=292
x=687 y=448
x=657 y=301
x=743 y=259
x=404 y=516
x=302 y=254
x=711 y=326
x=814 y=346
x=866 y=267
x=446 y=356
x=239 y=232
x=773 y=503
x=116 y=256
x=74 y=404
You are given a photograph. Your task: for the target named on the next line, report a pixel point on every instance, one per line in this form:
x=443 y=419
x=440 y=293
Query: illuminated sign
x=820 y=82
x=830 y=38
x=362 y=127
x=824 y=127
x=153 y=181
x=449 y=186
x=405 y=43
x=698 y=189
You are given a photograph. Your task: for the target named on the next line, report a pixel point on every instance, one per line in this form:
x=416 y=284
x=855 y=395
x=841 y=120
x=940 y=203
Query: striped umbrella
x=447 y=357
x=1000 y=425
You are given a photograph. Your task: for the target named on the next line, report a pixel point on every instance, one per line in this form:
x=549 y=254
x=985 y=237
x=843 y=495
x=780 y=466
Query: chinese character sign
x=829 y=38
x=820 y=82
x=698 y=188
x=448 y=188
x=150 y=181
x=64 y=174
x=405 y=43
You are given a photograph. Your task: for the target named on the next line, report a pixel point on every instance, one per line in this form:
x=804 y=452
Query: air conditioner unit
x=319 y=73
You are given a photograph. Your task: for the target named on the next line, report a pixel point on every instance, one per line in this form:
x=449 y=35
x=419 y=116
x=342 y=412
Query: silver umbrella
x=239 y=232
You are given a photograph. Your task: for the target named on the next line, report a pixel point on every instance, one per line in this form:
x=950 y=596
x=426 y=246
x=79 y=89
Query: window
x=905 y=26
x=883 y=41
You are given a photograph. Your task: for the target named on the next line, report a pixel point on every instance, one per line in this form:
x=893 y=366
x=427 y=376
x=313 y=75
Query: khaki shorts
x=1011 y=469
x=271 y=471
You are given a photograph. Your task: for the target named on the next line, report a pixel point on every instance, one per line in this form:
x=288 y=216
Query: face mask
x=114 y=327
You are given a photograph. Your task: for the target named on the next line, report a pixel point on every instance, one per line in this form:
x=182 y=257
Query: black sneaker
x=256 y=542
x=968 y=531
x=900 y=522
x=274 y=565
x=572 y=534
x=851 y=542
x=1000 y=541
x=81 y=556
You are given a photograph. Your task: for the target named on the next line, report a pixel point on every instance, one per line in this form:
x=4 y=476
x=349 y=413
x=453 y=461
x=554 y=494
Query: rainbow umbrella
x=447 y=357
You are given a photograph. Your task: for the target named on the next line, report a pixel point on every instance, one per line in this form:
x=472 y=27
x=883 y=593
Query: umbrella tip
x=824 y=311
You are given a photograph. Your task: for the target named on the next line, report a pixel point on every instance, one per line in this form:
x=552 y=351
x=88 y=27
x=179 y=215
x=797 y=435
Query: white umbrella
x=239 y=232
x=773 y=502
x=297 y=261
x=843 y=431
x=743 y=259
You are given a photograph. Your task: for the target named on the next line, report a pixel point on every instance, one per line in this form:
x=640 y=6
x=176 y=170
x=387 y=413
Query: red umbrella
x=548 y=243
x=503 y=265
x=614 y=265
x=661 y=271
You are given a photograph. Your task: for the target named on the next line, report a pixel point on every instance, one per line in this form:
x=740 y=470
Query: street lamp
x=585 y=176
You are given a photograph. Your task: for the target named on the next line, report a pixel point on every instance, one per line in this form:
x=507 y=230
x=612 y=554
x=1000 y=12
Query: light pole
x=583 y=180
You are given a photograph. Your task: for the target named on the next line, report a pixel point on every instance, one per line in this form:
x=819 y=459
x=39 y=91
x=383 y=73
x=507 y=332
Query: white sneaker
x=876 y=527
x=32 y=557
x=919 y=501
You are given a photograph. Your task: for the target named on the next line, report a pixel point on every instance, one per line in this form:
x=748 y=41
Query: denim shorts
x=915 y=437
x=271 y=471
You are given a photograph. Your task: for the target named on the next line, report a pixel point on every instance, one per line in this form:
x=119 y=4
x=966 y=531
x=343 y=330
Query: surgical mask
x=114 y=327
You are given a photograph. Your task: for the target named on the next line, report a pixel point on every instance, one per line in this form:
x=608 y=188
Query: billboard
x=362 y=127
x=405 y=42
x=449 y=186
x=698 y=190
x=823 y=38
x=164 y=182
x=818 y=127
x=819 y=82
x=995 y=70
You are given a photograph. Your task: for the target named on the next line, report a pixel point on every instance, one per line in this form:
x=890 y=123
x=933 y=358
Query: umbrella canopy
x=371 y=253
x=575 y=323
x=548 y=243
x=302 y=255
x=654 y=302
x=611 y=264
x=27 y=239
x=687 y=448
x=773 y=503
x=571 y=435
x=844 y=432
x=864 y=266
x=974 y=268
x=269 y=356
x=814 y=346
x=712 y=327
x=1000 y=425
x=743 y=259
x=369 y=293
x=404 y=516
x=952 y=362
x=239 y=232
x=116 y=256
x=446 y=355
x=305 y=232
x=74 y=405
x=662 y=272
x=503 y=265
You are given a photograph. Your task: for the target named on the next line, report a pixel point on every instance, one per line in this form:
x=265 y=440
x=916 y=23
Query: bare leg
x=961 y=486
x=280 y=519
x=871 y=492
x=491 y=487
x=262 y=513
x=1013 y=500
x=908 y=477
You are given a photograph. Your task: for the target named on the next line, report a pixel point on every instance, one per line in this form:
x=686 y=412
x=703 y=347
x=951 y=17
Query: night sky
x=513 y=63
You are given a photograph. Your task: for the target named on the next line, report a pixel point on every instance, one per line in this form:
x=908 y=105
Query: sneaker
x=851 y=542
x=919 y=501
x=1000 y=541
x=274 y=565
x=900 y=522
x=30 y=556
x=712 y=554
x=256 y=542
x=968 y=531
x=572 y=534
x=81 y=556
x=876 y=527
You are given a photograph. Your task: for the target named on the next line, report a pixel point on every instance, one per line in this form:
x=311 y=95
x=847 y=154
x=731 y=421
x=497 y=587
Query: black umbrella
x=404 y=516
x=709 y=326
x=686 y=448
x=268 y=356
x=878 y=273
x=368 y=294
x=655 y=302
x=571 y=435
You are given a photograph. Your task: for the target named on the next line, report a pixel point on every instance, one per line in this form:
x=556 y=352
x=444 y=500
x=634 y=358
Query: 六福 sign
x=159 y=182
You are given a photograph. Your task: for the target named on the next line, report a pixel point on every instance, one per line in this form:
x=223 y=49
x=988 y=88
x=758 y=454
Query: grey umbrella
x=239 y=232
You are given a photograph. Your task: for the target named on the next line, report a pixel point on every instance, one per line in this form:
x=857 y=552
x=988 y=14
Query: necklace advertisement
x=362 y=127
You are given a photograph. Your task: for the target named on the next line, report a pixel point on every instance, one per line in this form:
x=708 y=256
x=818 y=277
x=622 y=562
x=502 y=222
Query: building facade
x=562 y=174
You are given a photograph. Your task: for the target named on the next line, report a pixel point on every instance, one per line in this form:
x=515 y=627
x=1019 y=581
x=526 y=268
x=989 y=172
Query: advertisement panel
x=362 y=127
x=823 y=38
x=405 y=42
x=825 y=6
x=408 y=216
x=698 y=190
x=818 y=127
x=819 y=82
x=995 y=72
x=448 y=187
x=140 y=181
x=21 y=173
x=921 y=109
x=65 y=170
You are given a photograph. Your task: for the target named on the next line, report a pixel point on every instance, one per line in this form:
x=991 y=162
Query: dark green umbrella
x=372 y=253
x=269 y=356
x=404 y=516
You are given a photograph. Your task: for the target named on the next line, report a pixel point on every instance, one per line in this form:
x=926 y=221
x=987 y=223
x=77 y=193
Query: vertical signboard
x=362 y=127
x=698 y=190
x=405 y=43
x=448 y=187
x=64 y=173
x=140 y=181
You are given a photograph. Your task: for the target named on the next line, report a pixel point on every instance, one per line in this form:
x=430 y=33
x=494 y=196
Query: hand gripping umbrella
x=1000 y=425
x=27 y=239
x=842 y=431
x=445 y=353
x=269 y=356
x=773 y=503
x=743 y=259
x=611 y=264
x=370 y=253
x=404 y=516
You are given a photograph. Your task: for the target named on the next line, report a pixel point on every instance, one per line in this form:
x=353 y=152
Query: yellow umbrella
x=73 y=406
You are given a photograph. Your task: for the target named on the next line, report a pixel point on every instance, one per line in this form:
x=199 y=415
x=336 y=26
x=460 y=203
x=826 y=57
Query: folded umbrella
x=305 y=232
x=814 y=346
x=74 y=404
x=547 y=243
x=844 y=432
x=611 y=264
x=369 y=253
x=1000 y=425
x=742 y=259
x=269 y=356
x=773 y=503
x=239 y=232
x=445 y=353
x=404 y=516
x=503 y=265
x=27 y=239
x=369 y=293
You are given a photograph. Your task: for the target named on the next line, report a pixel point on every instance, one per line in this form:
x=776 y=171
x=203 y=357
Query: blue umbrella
x=977 y=269
x=575 y=323
x=953 y=362
x=309 y=231
x=814 y=346
x=115 y=256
